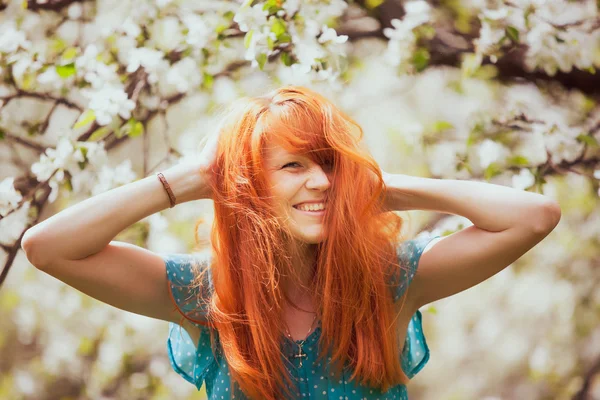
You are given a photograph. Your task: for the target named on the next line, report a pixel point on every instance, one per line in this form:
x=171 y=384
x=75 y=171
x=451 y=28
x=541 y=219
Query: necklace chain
x=300 y=355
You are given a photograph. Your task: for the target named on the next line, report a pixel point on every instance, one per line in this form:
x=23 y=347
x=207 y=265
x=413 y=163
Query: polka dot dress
x=313 y=380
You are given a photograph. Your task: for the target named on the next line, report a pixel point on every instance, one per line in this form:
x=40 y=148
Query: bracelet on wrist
x=165 y=184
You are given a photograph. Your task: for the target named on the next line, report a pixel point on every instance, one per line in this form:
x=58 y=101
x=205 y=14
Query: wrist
x=398 y=196
x=186 y=183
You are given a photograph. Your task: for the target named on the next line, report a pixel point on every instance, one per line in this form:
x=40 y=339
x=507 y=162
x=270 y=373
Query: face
x=299 y=187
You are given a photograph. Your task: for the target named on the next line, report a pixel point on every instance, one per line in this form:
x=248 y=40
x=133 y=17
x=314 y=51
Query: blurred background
x=97 y=94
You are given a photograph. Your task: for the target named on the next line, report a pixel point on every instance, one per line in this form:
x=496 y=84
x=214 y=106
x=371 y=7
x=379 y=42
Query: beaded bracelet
x=167 y=188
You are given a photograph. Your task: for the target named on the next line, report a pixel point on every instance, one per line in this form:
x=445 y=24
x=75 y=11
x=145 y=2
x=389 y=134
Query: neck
x=303 y=264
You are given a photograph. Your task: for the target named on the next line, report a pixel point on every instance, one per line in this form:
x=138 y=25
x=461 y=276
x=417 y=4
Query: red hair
x=354 y=264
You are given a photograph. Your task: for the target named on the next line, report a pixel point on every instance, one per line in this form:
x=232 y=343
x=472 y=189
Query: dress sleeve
x=190 y=360
x=409 y=252
x=415 y=353
x=190 y=298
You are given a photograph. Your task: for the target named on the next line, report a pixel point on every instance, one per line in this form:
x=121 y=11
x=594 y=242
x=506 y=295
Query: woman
x=304 y=294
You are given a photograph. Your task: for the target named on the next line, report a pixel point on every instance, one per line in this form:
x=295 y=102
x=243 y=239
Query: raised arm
x=76 y=245
x=507 y=223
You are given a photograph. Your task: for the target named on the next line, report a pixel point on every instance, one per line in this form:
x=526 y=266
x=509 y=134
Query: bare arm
x=507 y=223
x=76 y=246
x=86 y=228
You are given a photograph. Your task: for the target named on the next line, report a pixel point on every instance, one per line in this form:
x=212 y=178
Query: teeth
x=311 y=207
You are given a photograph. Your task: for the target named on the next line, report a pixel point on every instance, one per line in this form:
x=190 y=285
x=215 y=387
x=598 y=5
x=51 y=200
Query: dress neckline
x=310 y=339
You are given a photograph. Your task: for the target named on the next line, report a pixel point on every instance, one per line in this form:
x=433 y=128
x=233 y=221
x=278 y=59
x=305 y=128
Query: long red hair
x=250 y=245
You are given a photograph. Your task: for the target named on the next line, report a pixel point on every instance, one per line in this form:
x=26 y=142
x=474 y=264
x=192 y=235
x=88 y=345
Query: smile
x=316 y=209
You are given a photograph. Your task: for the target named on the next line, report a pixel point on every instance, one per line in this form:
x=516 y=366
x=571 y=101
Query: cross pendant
x=300 y=354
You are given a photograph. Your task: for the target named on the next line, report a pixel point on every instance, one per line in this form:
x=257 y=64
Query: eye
x=291 y=163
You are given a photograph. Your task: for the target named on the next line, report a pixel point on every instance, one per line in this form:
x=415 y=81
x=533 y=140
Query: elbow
x=548 y=218
x=30 y=249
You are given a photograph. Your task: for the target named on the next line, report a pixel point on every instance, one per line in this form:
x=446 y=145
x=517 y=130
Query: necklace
x=300 y=355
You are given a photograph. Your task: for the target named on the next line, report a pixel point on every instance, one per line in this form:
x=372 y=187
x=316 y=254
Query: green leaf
x=463 y=162
x=272 y=6
x=208 y=80
x=440 y=126
x=421 y=59
x=85 y=119
x=278 y=27
x=371 y=4
x=284 y=38
x=486 y=72
x=512 y=33
x=65 y=71
x=470 y=64
x=86 y=346
x=68 y=184
x=518 y=160
x=69 y=53
x=135 y=128
x=286 y=58
x=425 y=31
x=491 y=171
x=262 y=59
x=58 y=45
x=248 y=38
x=270 y=43
x=219 y=29
x=99 y=134
x=2 y=134
x=587 y=139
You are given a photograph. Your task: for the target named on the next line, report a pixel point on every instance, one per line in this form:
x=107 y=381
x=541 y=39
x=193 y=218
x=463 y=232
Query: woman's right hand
x=197 y=169
x=208 y=154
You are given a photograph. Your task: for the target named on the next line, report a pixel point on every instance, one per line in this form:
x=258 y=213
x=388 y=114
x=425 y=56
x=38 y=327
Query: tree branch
x=448 y=46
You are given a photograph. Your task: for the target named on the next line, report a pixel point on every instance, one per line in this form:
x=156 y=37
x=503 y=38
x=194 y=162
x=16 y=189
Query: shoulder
x=182 y=269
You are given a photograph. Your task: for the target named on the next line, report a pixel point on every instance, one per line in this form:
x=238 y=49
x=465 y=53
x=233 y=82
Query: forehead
x=274 y=151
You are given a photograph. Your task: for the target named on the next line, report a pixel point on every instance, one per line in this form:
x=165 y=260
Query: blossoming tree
x=96 y=94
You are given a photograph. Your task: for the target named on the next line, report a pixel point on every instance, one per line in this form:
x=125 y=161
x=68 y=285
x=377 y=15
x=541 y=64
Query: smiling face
x=299 y=187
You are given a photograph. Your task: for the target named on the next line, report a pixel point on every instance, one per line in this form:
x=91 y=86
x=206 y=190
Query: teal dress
x=198 y=365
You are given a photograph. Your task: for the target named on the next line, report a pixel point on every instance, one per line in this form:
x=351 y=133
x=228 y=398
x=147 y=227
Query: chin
x=310 y=237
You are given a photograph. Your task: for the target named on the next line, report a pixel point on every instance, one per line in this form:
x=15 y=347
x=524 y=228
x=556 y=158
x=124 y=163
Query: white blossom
x=110 y=178
x=11 y=38
x=402 y=43
x=184 y=75
x=93 y=71
x=14 y=224
x=330 y=35
x=490 y=151
x=9 y=197
x=75 y=10
x=291 y=6
x=108 y=102
x=50 y=78
x=131 y=28
x=249 y=18
x=199 y=33
x=523 y=180
x=166 y=34
x=152 y=60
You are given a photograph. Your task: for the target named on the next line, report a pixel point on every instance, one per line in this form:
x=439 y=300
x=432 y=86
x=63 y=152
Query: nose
x=318 y=179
